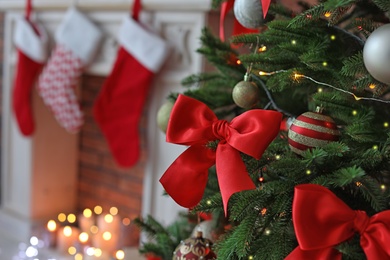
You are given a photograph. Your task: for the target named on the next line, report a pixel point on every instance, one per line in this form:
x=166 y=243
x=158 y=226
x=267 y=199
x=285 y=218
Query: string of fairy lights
x=297 y=77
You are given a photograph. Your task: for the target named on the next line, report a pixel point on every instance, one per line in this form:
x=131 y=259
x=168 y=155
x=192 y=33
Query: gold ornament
x=245 y=94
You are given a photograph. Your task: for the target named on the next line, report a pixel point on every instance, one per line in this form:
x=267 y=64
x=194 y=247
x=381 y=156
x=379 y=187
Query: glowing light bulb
x=327 y=14
x=238 y=62
x=354 y=112
x=87 y=213
x=90 y=251
x=98 y=210
x=297 y=76
x=67 y=231
x=386 y=124
x=78 y=256
x=333 y=37
x=113 y=211
x=383 y=187
x=324 y=64
x=263 y=211
x=72 y=250
x=319 y=90
x=261 y=179
x=126 y=221
x=71 y=218
x=262 y=48
x=277 y=157
x=107 y=236
x=61 y=217
x=98 y=252
x=83 y=237
x=308 y=172
x=94 y=229
x=51 y=225
x=293 y=42
x=372 y=86
x=108 y=218
x=208 y=202
x=34 y=241
x=120 y=254
x=359 y=184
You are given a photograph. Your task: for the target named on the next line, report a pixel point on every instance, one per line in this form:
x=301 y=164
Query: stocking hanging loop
x=136 y=9
x=28 y=9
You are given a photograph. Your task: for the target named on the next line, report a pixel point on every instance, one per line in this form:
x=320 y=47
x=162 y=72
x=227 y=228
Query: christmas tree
x=320 y=188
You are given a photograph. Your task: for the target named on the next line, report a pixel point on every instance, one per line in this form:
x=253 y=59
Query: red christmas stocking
x=77 y=39
x=31 y=42
x=119 y=105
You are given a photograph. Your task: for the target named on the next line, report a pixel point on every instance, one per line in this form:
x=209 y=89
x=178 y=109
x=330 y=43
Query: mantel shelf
x=112 y=5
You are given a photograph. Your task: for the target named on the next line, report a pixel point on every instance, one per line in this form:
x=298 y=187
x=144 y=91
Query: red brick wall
x=101 y=181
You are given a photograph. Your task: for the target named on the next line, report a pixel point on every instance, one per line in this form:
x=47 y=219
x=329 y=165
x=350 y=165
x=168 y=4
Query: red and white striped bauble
x=311 y=130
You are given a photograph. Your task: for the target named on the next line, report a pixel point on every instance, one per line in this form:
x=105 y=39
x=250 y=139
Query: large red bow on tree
x=322 y=221
x=193 y=123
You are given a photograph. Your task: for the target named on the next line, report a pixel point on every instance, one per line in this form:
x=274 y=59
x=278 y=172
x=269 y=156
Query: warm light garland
x=298 y=76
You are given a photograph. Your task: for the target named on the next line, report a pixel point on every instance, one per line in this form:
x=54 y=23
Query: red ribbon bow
x=322 y=221
x=193 y=123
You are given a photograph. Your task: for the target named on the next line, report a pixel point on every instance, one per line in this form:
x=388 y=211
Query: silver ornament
x=249 y=13
x=376 y=54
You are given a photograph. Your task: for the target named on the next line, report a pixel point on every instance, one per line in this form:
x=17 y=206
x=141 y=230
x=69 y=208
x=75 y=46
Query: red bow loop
x=321 y=221
x=190 y=122
x=193 y=123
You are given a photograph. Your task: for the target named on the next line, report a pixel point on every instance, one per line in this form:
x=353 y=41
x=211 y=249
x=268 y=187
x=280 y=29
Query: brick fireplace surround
x=54 y=171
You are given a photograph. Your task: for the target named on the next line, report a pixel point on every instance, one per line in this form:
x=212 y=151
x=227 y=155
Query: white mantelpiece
x=37 y=173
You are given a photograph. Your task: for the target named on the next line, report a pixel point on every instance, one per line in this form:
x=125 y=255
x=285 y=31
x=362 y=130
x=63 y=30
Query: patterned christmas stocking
x=119 y=105
x=77 y=39
x=31 y=41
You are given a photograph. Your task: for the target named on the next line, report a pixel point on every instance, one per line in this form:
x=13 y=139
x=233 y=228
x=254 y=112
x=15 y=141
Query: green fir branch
x=384 y=5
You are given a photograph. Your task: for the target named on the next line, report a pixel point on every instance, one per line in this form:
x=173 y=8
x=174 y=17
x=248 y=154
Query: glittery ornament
x=310 y=130
x=245 y=94
x=163 y=115
x=376 y=53
x=195 y=248
x=249 y=13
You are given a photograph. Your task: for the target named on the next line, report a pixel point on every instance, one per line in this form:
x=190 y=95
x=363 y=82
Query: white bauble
x=376 y=54
x=249 y=13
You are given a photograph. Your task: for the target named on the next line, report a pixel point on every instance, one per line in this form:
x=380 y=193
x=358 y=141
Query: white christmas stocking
x=77 y=40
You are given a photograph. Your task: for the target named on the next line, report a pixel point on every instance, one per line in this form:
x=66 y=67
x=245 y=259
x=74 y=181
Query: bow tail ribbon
x=185 y=180
x=231 y=173
x=321 y=221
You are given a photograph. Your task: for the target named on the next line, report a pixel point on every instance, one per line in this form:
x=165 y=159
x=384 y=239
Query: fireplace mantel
x=29 y=171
